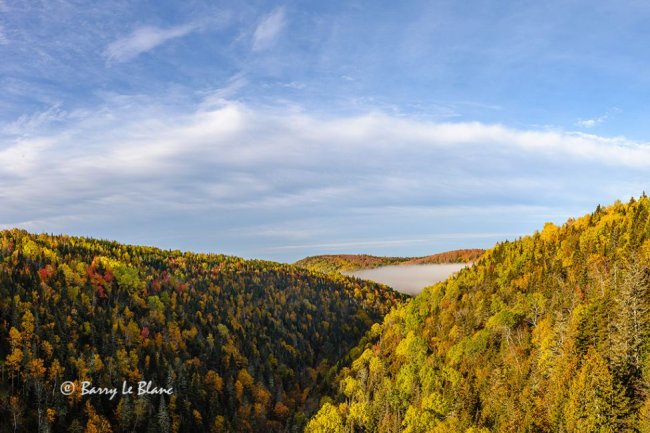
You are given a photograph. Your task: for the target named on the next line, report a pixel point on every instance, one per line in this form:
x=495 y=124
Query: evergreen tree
x=591 y=401
x=163 y=417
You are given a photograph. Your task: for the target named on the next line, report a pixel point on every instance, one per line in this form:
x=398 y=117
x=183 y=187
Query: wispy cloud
x=27 y=124
x=359 y=245
x=222 y=95
x=590 y=123
x=144 y=39
x=294 y=85
x=269 y=29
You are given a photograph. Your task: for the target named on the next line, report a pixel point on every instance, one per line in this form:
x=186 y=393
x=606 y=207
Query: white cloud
x=144 y=39
x=269 y=29
x=359 y=245
x=226 y=167
x=218 y=97
x=241 y=152
x=297 y=85
x=590 y=123
x=26 y=124
x=25 y=156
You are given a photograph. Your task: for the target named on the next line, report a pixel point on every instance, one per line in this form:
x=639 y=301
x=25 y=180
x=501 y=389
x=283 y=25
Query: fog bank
x=409 y=279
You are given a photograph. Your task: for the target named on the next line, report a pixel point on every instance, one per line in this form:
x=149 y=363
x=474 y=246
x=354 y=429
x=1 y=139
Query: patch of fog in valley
x=409 y=279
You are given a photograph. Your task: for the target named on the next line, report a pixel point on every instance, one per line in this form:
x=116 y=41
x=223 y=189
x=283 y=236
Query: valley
x=548 y=333
x=245 y=345
x=324 y=216
x=408 y=279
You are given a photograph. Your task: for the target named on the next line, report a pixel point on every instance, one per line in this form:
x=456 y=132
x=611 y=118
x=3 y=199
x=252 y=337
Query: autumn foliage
x=351 y=262
x=246 y=345
x=549 y=333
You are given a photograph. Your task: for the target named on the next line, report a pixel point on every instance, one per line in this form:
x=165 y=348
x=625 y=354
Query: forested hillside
x=347 y=262
x=245 y=345
x=454 y=256
x=353 y=262
x=549 y=333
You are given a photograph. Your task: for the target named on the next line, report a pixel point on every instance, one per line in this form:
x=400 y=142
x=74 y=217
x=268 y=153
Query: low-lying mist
x=409 y=279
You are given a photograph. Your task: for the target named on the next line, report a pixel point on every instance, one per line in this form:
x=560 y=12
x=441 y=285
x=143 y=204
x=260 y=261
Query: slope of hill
x=352 y=262
x=244 y=344
x=549 y=333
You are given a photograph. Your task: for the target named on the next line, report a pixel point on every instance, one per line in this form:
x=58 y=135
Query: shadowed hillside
x=245 y=345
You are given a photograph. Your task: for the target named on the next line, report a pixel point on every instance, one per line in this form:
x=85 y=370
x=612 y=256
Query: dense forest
x=246 y=346
x=352 y=262
x=454 y=256
x=549 y=333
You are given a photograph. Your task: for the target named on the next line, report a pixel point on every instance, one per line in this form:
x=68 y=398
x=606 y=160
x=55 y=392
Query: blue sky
x=279 y=130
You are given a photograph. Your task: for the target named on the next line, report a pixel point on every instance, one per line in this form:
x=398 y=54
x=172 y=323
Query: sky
x=278 y=130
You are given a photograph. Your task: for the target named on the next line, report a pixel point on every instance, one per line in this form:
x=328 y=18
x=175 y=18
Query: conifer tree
x=163 y=416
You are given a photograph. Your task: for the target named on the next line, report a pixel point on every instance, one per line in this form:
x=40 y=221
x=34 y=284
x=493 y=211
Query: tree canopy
x=246 y=345
x=548 y=333
x=352 y=262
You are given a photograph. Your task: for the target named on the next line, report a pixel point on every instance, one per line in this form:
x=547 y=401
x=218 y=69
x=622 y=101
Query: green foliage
x=245 y=345
x=549 y=333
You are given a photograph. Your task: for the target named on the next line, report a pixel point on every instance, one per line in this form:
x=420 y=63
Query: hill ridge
x=352 y=262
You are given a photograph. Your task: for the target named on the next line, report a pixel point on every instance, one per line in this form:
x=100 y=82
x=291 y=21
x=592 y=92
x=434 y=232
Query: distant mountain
x=353 y=262
x=549 y=333
x=246 y=345
x=347 y=262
